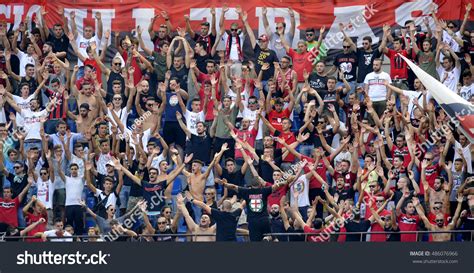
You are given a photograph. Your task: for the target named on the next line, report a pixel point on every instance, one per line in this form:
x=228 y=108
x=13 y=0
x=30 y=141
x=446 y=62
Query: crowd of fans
x=195 y=139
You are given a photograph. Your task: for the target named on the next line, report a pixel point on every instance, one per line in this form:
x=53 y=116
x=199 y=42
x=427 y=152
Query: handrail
x=6 y=238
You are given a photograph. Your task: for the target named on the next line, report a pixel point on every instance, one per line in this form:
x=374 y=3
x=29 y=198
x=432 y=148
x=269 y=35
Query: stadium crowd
x=227 y=136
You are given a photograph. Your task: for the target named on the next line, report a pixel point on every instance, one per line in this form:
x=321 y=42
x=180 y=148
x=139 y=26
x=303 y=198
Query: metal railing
x=245 y=236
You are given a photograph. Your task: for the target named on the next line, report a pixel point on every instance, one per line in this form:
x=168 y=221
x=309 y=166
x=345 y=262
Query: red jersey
x=314 y=238
x=8 y=211
x=408 y=223
x=431 y=173
x=137 y=75
x=276 y=118
x=247 y=136
x=30 y=219
x=398 y=67
x=301 y=61
x=349 y=178
x=289 y=138
x=403 y=152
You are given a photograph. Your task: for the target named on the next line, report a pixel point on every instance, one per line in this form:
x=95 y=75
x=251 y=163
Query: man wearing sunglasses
x=276 y=42
x=208 y=32
x=432 y=169
x=234 y=42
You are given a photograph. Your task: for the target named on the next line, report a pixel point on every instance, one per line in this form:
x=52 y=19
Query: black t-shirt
x=365 y=60
x=114 y=76
x=328 y=134
x=135 y=189
x=277 y=226
x=236 y=178
x=347 y=63
x=295 y=238
x=201 y=62
x=318 y=83
x=256 y=201
x=60 y=44
x=17 y=184
x=182 y=75
x=200 y=146
x=164 y=238
x=154 y=194
x=262 y=57
x=393 y=237
x=343 y=194
x=226 y=224
x=352 y=226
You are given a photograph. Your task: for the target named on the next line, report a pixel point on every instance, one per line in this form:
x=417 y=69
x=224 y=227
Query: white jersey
x=74 y=187
x=45 y=190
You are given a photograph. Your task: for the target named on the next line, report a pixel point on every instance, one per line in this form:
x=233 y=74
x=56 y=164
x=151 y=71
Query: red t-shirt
x=276 y=118
x=137 y=75
x=301 y=61
x=403 y=152
x=30 y=219
x=82 y=81
x=379 y=237
x=314 y=238
x=202 y=78
x=398 y=67
x=275 y=197
x=408 y=223
x=247 y=136
x=289 y=138
x=320 y=170
x=8 y=211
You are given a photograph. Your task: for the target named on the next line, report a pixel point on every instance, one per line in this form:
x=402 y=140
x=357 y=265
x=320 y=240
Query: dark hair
x=60 y=122
x=117 y=82
x=198 y=161
x=458 y=160
x=58 y=25
x=154 y=169
x=332 y=78
x=50 y=44
x=22 y=85
x=29 y=65
x=397 y=39
x=103 y=141
x=208 y=61
x=466 y=73
x=229 y=159
x=310 y=30
x=203 y=44
x=55 y=80
x=368 y=38
x=286 y=57
x=399 y=157
x=58 y=220
x=196 y=99
x=73 y=164
x=409 y=22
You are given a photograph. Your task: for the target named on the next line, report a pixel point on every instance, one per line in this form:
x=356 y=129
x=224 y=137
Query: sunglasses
x=117 y=63
x=154 y=173
x=252 y=102
x=149 y=105
x=16 y=167
x=320 y=121
x=43 y=173
x=309 y=34
x=117 y=98
x=451 y=26
x=372 y=186
x=346 y=47
x=233 y=29
x=161 y=223
x=379 y=201
x=428 y=159
x=439 y=221
x=436 y=208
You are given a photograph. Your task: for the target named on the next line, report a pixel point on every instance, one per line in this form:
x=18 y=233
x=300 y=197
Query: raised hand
x=188 y=158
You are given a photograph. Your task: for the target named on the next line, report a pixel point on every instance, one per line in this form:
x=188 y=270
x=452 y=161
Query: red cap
x=263 y=38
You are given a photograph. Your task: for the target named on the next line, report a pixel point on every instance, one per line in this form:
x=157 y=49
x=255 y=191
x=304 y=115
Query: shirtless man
x=196 y=179
x=86 y=94
x=440 y=192
x=151 y=105
x=440 y=221
x=204 y=226
x=84 y=120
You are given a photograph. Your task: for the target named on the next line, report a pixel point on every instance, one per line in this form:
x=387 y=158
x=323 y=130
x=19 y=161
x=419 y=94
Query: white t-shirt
x=24 y=60
x=74 y=187
x=377 y=88
x=32 y=123
x=467 y=155
x=102 y=162
x=192 y=119
x=450 y=41
x=452 y=79
x=467 y=91
x=82 y=44
x=413 y=95
x=301 y=185
x=122 y=114
x=234 y=52
x=79 y=162
x=52 y=233
x=45 y=190
x=23 y=104
x=155 y=163
x=252 y=116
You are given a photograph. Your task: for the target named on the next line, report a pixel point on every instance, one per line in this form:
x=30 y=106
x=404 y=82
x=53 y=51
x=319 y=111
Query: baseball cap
x=263 y=38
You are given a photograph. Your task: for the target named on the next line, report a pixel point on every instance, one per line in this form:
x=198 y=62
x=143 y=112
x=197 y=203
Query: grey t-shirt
x=277 y=46
x=104 y=224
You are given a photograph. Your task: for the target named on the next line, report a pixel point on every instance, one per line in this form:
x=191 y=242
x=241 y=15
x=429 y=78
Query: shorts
x=59 y=197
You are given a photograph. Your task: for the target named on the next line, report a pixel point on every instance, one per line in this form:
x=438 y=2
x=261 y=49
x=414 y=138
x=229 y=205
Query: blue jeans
x=124 y=194
x=197 y=213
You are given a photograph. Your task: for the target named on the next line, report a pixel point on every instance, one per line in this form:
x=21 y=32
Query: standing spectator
x=74 y=186
x=449 y=72
x=58 y=37
x=277 y=38
x=83 y=41
x=208 y=32
x=398 y=67
x=375 y=87
x=164 y=32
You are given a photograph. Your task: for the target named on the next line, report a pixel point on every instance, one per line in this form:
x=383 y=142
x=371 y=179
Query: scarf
x=228 y=47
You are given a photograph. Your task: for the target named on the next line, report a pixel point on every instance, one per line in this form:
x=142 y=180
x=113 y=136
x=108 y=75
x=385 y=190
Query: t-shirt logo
x=298 y=187
x=173 y=100
x=256 y=205
x=346 y=67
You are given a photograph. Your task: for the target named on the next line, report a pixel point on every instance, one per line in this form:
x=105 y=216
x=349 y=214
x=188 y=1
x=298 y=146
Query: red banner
x=125 y=15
